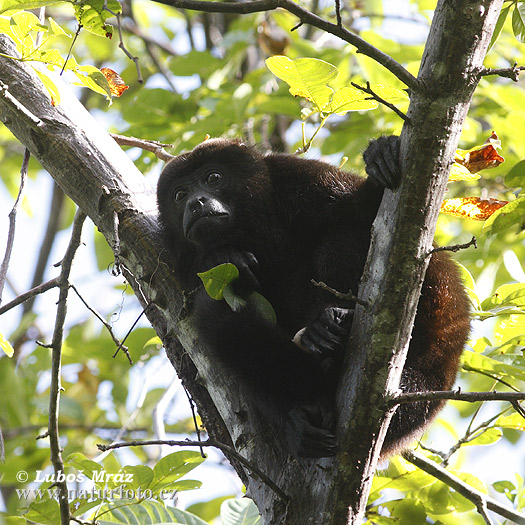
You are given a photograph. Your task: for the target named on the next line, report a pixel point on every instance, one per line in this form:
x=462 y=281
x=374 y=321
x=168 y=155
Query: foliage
x=208 y=76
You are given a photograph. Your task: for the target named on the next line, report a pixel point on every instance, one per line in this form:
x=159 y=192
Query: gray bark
x=90 y=168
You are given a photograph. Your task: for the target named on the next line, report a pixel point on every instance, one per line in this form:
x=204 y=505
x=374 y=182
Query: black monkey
x=283 y=221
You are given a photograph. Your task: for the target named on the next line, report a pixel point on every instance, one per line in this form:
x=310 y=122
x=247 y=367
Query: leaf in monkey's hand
x=218 y=278
x=218 y=284
x=234 y=300
x=257 y=302
x=263 y=307
x=471 y=207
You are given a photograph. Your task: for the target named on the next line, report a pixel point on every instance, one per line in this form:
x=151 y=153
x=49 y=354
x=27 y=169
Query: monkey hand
x=382 y=161
x=327 y=335
x=245 y=262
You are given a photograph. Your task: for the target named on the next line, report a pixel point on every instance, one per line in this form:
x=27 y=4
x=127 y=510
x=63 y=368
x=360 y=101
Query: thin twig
x=157 y=148
x=54 y=396
x=12 y=223
x=374 y=96
x=467 y=491
x=121 y=346
x=348 y=296
x=508 y=72
x=122 y=46
x=109 y=328
x=192 y=407
x=230 y=451
x=456 y=247
x=338 y=13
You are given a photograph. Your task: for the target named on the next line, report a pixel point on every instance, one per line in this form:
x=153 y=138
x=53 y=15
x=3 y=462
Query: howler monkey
x=285 y=221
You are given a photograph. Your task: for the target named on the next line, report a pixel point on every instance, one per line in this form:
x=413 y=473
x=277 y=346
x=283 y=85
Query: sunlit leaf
x=512 y=214
x=239 y=511
x=218 y=278
x=499 y=24
x=116 y=84
x=471 y=207
x=350 y=99
x=488 y=437
x=19 y=5
x=5 y=345
x=460 y=172
x=481 y=157
x=50 y=87
x=516 y=176
x=307 y=77
x=388 y=93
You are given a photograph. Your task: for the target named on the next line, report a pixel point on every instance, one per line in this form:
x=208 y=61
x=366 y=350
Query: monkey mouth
x=207 y=223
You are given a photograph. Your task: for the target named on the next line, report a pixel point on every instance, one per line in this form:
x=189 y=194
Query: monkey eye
x=213 y=177
x=180 y=195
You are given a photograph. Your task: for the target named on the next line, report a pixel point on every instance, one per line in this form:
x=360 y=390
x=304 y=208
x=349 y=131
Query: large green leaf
x=350 y=99
x=307 y=77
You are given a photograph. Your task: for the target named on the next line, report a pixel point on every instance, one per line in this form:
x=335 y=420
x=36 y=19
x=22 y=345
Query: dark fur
x=284 y=221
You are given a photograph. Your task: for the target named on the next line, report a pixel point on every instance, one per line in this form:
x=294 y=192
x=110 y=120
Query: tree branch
x=509 y=72
x=479 y=499
x=306 y=17
x=12 y=223
x=56 y=345
x=37 y=290
x=469 y=397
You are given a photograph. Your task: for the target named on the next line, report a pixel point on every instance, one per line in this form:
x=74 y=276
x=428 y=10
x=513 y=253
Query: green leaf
x=307 y=77
x=45 y=512
x=83 y=464
x=5 y=345
x=518 y=21
x=19 y=5
x=172 y=467
x=218 y=278
x=240 y=512
x=50 y=87
x=142 y=476
x=488 y=437
x=144 y=512
x=56 y=29
x=516 y=176
x=92 y=15
x=473 y=362
x=514 y=421
x=511 y=214
x=350 y=99
x=408 y=510
x=499 y=25
x=505 y=296
x=92 y=78
x=388 y=93
x=208 y=510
